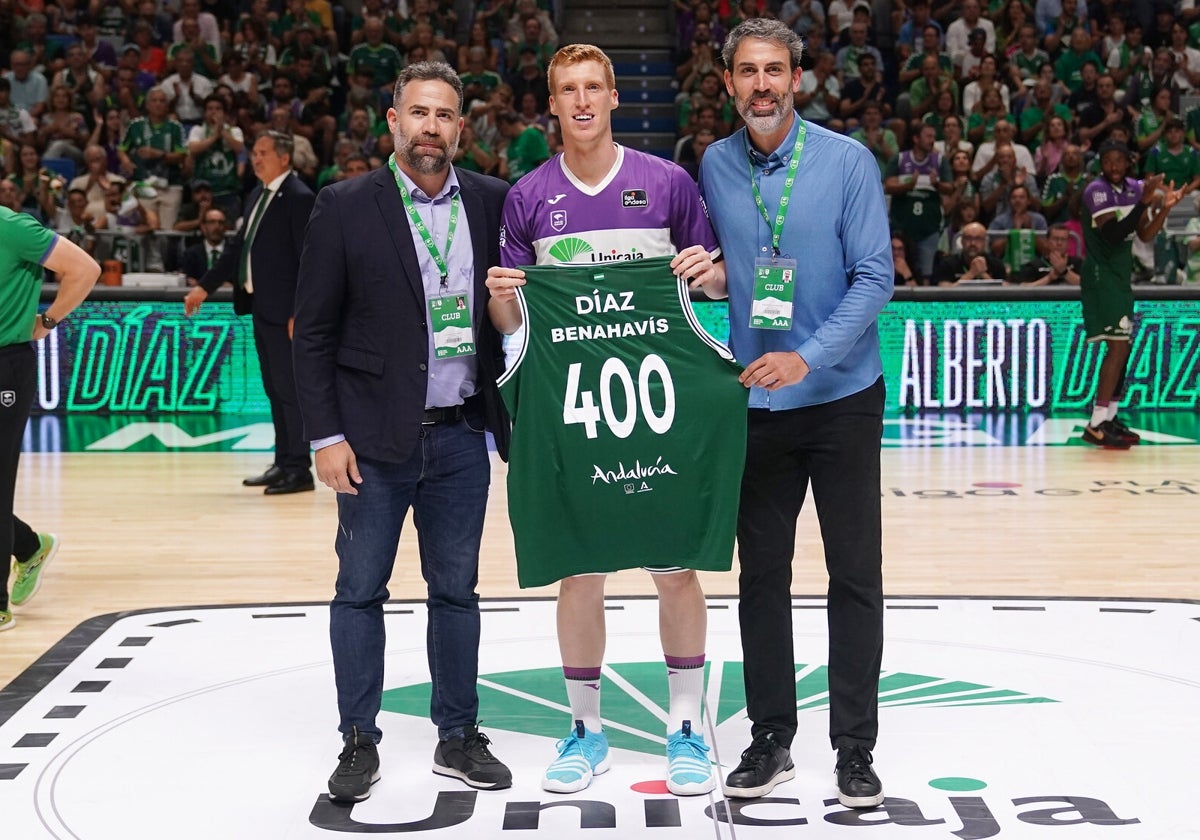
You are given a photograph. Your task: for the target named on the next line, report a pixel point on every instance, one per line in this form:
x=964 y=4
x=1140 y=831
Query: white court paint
x=1008 y=718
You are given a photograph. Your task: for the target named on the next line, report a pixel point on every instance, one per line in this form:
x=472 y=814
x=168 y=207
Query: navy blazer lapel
x=248 y=209
x=395 y=219
x=286 y=187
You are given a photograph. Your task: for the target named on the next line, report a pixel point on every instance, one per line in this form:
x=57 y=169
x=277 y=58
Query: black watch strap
x=48 y=322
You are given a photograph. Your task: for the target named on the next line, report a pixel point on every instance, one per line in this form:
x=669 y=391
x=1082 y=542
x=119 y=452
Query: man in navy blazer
x=262 y=262
x=199 y=258
x=396 y=364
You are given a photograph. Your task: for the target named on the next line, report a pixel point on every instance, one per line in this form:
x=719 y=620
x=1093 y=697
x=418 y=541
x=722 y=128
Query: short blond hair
x=577 y=54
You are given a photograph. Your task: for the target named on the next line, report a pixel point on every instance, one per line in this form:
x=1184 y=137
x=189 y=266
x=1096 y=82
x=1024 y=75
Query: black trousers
x=275 y=359
x=835 y=448
x=18 y=381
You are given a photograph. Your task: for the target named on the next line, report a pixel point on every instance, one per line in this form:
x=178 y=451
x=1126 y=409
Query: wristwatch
x=48 y=322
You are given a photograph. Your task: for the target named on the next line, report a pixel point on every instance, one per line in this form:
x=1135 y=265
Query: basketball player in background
x=26 y=247
x=1115 y=208
x=599 y=198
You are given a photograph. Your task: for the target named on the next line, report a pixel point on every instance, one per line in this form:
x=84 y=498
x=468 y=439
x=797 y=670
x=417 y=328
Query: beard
x=763 y=123
x=424 y=162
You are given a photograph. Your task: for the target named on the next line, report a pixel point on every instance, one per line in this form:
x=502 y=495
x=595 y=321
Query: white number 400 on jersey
x=581 y=407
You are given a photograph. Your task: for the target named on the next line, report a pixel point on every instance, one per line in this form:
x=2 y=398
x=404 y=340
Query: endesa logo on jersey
x=634 y=198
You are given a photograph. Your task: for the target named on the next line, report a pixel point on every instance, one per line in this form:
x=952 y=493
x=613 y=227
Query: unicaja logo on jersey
x=618 y=256
x=570 y=247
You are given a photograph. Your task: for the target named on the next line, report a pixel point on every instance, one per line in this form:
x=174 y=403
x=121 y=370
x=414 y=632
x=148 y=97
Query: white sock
x=583 y=696
x=685 y=681
x=1099 y=415
x=1113 y=405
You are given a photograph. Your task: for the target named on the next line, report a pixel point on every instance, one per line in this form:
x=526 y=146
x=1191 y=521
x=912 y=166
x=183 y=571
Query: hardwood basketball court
x=1028 y=587
x=143 y=530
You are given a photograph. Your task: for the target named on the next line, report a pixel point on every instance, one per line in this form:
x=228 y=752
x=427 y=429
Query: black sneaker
x=357 y=770
x=858 y=786
x=468 y=758
x=1105 y=436
x=1123 y=431
x=765 y=763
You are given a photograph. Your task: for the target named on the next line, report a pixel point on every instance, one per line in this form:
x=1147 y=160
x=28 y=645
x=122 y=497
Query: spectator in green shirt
x=527 y=148
x=383 y=60
x=478 y=81
x=880 y=141
x=1151 y=125
x=1178 y=162
x=1037 y=113
x=923 y=93
x=1066 y=69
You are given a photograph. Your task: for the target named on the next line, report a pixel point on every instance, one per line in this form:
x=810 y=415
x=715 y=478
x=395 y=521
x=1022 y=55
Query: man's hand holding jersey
x=503 y=308
x=696 y=266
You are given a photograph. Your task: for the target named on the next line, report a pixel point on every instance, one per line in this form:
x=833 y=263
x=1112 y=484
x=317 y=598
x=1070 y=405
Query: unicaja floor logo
x=529 y=701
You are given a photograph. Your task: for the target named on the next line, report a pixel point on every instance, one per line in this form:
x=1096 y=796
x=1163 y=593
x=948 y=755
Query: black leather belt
x=449 y=414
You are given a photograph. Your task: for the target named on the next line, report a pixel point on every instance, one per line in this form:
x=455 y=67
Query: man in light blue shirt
x=29 y=87
x=800 y=216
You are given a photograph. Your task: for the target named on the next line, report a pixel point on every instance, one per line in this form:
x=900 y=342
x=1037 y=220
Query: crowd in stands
x=985 y=117
x=124 y=118
x=136 y=116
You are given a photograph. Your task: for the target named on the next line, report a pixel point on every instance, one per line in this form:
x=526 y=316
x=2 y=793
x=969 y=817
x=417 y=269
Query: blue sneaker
x=581 y=755
x=689 y=772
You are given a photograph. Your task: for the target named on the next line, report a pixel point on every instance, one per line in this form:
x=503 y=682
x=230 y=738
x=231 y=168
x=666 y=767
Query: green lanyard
x=788 y=182
x=426 y=234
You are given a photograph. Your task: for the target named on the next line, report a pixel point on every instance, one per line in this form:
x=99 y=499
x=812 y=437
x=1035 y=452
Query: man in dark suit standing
x=262 y=262
x=199 y=258
x=397 y=384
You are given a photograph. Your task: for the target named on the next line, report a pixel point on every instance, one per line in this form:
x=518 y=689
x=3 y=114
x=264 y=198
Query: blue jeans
x=445 y=481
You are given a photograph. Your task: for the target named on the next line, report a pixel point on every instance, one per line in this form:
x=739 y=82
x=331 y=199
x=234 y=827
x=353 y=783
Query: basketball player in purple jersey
x=600 y=202
x=1116 y=209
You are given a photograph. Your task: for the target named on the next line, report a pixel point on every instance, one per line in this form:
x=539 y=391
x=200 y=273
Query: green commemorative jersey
x=629 y=426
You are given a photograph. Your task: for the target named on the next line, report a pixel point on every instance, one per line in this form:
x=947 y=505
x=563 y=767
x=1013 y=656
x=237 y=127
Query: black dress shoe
x=765 y=763
x=268 y=478
x=858 y=785
x=297 y=482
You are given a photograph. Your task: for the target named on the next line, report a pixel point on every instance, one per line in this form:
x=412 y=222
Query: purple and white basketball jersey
x=645 y=207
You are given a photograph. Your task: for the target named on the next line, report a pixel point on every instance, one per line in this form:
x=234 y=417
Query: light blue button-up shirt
x=451 y=380
x=837 y=232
